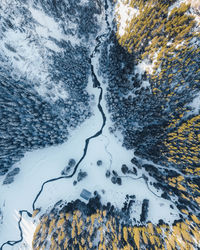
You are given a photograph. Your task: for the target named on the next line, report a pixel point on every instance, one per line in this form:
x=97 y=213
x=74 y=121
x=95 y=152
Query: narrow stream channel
x=96 y=84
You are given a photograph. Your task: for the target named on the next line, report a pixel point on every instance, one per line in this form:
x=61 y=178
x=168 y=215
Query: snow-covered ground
x=28 y=228
x=195 y=105
x=41 y=165
x=28 y=49
x=124 y=13
x=37 y=167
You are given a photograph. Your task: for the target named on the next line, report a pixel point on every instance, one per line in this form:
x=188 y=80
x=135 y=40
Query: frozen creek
x=40 y=185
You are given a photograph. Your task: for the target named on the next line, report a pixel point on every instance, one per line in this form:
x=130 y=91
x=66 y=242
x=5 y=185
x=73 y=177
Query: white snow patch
x=143 y=66
x=180 y=44
x=31 y=60
x=47 y=27
x=41 y=165
x=102 y=148
x=145 y=84
x=48 y=24
x=28 y=228
x=38 y=166
x=195 y=104
x=175 y=5
x=124 y=14
x=29 y=55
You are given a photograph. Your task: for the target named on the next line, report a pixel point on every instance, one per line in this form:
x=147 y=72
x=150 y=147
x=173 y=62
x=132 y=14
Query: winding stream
x=96 y=84
x=12 y=243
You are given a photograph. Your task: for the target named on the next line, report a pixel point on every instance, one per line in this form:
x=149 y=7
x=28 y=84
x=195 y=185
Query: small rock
x=136 y=162
x=81 y=175
x=71 y=162
x=108 y=173
x=134 y=171
x=114 y=173
x=66 y=170
x=119 y=181
x=124 y=169
x=114 y=180
x=99 y=163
